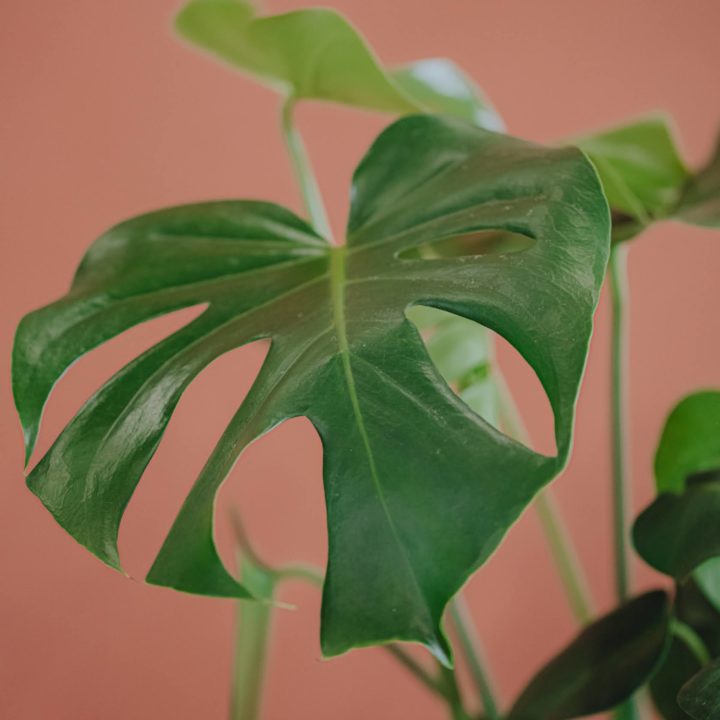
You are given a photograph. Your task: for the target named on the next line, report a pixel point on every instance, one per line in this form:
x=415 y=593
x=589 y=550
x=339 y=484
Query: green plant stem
x=470 y=644
x=301 y=572
x=452 y=694
x=303 y=172
x=251 y=645
x=568 y=566
x=551 y=520
x=621 y=485
x=618 y=394
x=693 y=641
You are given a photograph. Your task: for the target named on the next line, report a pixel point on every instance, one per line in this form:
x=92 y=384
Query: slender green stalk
x=301 y=572
x=471 y=647
x=618 y=397
x=452 y=694
x=252 y=628
x=551 y=520
x=566 y=562
x=693 y=641
x=621 y=482
x=303 y=172
x=251 y=644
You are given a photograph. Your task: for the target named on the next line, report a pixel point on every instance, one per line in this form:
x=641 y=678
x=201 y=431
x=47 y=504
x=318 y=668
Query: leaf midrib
x=337 y=290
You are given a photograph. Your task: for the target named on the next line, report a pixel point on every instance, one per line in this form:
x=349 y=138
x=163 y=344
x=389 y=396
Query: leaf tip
x=107 y=553
x=440 y=649
x=29 y=439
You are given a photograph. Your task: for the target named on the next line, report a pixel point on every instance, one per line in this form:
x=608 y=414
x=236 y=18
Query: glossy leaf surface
x=690 y=441
x=677 y=533
x=419 y=489
x=317 y=54
x=603 y=666
x=700 y=696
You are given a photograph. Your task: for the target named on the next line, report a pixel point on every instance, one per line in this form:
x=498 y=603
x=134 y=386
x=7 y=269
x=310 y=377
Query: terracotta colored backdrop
x=104 y=115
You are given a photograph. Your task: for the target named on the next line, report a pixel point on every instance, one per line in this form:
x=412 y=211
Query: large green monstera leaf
x=419 y=489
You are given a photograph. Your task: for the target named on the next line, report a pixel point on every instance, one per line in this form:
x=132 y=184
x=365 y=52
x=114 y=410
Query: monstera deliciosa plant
x=381 y=340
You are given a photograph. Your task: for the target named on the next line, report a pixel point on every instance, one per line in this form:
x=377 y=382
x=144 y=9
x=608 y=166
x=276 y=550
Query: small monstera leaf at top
x=317 y=54
x=646 y=180
x=419 y=489
x=438 y=85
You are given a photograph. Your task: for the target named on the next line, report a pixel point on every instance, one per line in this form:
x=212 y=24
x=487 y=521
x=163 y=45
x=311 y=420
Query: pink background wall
x=104 y=116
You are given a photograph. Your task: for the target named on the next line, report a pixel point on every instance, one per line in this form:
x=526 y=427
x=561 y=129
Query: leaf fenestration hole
x=203 y=412
x=275 y=489
x=470 y=244
x=529 y=395
x=467 y=356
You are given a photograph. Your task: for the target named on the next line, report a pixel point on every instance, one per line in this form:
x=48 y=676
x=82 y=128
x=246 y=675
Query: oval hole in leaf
x=462 y=351
x=92 y=370
x=470 y=244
